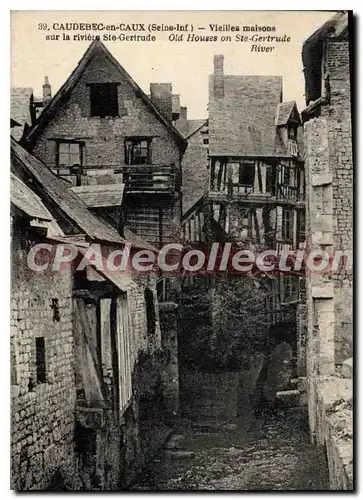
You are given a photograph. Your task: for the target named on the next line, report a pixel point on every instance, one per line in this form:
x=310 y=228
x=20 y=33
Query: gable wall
x=104 y=137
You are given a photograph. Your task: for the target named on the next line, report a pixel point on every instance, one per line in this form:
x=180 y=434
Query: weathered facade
x=195 y=164
x=254 y=198
x=43 y=394
x=94 y=389
x=101 y=129
x=329 y=171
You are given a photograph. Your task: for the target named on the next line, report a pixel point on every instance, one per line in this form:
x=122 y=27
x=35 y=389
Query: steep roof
x=96 y=48
x=100 y=195
x=242 y=121
x=194 y=126
x=20 y=109
x=26 y=200
x=73 y=207
x=284 y=111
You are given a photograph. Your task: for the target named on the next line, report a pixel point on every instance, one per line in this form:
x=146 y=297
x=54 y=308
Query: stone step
x=299 y=383
x=179 y=454
x=289 y=398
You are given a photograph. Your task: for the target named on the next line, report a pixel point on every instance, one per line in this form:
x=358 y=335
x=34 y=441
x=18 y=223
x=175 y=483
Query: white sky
x=185 y=65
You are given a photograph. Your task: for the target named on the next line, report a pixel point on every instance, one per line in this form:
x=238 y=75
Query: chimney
x=218 y=65
x=47 y=91
x=218 y=76
x=176 y=106
x=161 y=96
x=182 y=123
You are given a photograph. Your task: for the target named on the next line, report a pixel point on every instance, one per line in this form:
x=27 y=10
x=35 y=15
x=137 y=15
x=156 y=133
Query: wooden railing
x=137 y=178
x=149 y=178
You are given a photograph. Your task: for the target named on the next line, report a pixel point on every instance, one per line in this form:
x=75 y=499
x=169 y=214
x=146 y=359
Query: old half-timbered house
x=91 y=382
x=116 y=145
x=255 y=198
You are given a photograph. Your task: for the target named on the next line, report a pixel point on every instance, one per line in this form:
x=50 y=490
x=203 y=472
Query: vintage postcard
x=182 y=234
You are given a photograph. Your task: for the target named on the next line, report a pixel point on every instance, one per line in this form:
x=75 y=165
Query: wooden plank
x=86 y=372
x=257 y=229
x=106 y=350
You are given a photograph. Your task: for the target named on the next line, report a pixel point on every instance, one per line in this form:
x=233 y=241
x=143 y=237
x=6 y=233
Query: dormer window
x=104 y=99
x=292 y=131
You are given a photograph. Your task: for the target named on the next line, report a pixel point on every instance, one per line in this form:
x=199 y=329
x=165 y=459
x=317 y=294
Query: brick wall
x=42 y=413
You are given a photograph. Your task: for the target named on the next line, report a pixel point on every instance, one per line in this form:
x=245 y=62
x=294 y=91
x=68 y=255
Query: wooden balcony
x=158 y=179
x=257 y=181
x=138 y=179
x=282 y=195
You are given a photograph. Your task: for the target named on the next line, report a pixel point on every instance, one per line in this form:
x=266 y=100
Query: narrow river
x=267 y=453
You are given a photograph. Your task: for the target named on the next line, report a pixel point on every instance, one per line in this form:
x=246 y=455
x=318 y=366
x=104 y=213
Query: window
x=286 y=176
x=69 y=154
x=246 y=173
x=104 y=99
x=271 y=179
x=40 y=359
x=292 y=131
x=206 y=140
x=287 y=224
x=150 y=312
x=301 y=226
x=137 y=152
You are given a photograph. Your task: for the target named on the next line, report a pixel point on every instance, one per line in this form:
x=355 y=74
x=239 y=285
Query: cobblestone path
x=269 y=453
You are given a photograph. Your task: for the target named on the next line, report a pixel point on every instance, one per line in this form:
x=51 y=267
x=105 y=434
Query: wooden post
x=263 y=176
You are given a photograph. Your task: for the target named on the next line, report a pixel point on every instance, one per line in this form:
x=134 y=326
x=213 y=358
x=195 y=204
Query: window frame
x=241 y=172
x=129 y=153
x=287 y=229
x=69 y=143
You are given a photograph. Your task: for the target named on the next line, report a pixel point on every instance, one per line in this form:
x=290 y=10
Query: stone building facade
x=92 y=371
x=43 y=395
x=101 y=129
x=253 y=197
x=329 y=172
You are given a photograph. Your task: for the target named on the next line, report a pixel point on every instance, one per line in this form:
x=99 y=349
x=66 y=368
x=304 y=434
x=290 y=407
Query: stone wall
x=105 y=137
x=338 y=115
x=104 y=144
x=42 y=428
x=334 y=428
x=57 y=443
x=329 y=227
